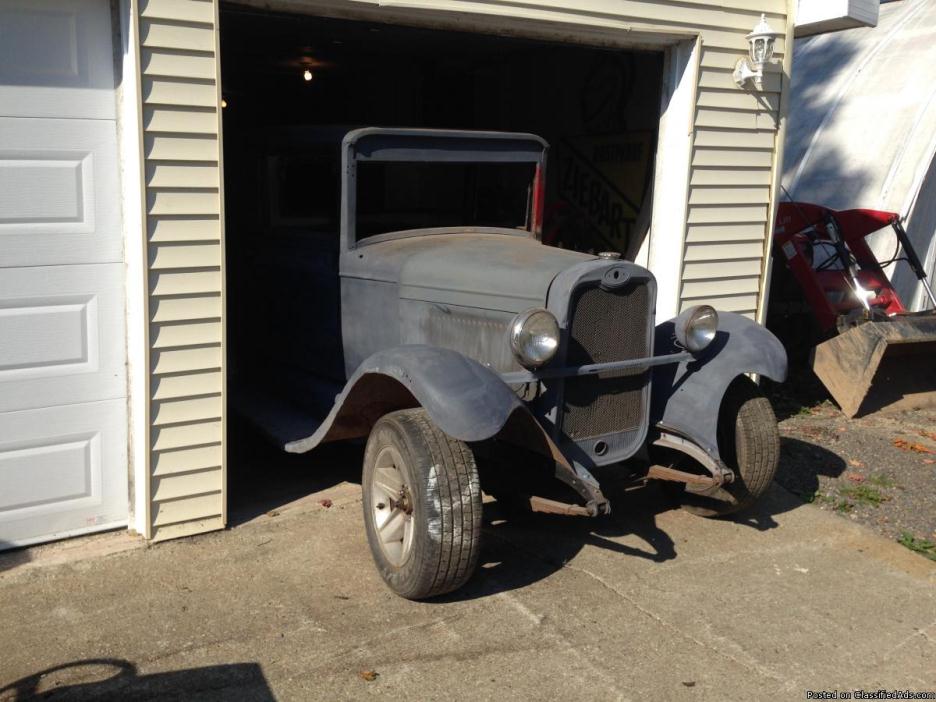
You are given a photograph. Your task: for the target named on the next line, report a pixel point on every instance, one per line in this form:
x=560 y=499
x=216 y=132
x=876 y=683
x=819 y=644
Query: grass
x=839 y=505
x=852 y=495
x=863 y=495
x=844 y=506
x=882 y=481
x=809 y=410
x=924 y=547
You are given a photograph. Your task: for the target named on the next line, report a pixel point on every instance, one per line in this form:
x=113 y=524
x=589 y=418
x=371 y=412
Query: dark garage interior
x=292 y=85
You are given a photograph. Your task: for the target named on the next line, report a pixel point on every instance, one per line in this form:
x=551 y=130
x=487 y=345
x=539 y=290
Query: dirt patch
x=878 y=470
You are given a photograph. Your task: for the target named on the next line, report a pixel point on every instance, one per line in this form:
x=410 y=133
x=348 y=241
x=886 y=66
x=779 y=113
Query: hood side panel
x=488 y=271
x=481 y=335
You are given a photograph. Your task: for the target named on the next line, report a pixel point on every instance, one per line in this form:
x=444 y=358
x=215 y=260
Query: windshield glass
x=399 y=196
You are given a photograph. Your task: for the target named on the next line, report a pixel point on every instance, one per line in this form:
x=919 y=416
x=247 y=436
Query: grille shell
x=604 y=326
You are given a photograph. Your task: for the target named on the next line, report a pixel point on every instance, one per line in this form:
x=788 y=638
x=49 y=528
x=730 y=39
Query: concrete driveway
x=651 y=603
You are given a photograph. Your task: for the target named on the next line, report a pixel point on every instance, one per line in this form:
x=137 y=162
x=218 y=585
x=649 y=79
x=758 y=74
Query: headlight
x=696 y=327
x=534 y=337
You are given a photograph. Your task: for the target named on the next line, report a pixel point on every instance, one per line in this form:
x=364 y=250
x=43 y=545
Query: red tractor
x=878 y=354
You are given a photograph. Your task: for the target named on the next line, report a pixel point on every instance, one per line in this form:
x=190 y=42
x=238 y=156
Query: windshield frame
x=375 y=144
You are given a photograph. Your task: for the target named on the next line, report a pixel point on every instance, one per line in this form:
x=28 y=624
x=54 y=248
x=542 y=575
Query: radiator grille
x=606 y=325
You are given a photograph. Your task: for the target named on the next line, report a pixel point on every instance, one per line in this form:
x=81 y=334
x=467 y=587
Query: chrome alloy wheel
x=392 y=507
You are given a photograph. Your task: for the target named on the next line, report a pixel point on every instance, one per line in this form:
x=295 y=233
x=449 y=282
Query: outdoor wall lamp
x=751 y=69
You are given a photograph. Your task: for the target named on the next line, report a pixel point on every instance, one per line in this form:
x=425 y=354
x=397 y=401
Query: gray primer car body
x=425 y=316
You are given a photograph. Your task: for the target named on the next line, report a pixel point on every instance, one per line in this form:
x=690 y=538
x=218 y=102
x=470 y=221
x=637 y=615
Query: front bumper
x=519 y=377
x=571 y=471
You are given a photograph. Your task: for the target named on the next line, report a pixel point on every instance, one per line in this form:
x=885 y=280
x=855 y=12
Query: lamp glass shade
x=761 y=49
x=762 y=41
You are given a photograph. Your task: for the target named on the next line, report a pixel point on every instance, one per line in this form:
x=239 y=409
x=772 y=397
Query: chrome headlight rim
x=520 y=324
x=697 y=328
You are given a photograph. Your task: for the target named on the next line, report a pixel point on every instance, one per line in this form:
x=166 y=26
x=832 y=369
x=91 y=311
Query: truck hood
x=489 y=271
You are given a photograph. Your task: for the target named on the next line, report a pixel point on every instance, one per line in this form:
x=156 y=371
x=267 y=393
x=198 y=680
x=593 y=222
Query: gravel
x=878 y=470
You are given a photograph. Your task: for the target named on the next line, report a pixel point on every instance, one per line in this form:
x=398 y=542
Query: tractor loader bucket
x=887 y=365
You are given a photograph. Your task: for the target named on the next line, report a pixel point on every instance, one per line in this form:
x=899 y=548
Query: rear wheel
x=422 y=505
x=749 y=444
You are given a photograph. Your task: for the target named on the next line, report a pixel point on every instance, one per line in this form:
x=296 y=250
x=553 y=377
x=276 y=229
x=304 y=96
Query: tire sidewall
x=418 y=474
x=744 y=412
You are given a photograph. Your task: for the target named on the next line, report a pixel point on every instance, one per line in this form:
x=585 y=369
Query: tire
x=749 y=444
x=434 y=497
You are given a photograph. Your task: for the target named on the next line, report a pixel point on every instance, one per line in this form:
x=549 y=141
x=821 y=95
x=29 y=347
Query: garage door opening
x=293 y=85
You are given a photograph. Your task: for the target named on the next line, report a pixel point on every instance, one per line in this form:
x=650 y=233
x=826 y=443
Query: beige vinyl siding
x=731 y=186
x=183 y=206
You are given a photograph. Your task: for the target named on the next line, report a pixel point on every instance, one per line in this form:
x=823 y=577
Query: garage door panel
x=51 y=335
x=63 y=379
x=54 y=471
x=46 y=192
x=61 y=335
x=56 y=59
x=58 y=179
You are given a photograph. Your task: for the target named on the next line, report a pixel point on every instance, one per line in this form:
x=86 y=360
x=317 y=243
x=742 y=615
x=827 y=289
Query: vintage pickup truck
x=437 y=325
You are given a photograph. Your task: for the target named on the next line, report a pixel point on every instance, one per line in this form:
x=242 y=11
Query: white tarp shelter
x=863 y=127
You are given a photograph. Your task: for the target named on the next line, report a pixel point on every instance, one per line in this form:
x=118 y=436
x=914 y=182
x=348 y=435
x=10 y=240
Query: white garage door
x=63 y=423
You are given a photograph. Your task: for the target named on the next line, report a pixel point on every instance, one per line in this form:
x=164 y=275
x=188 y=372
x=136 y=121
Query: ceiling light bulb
x=307 y=75
x=223 y=103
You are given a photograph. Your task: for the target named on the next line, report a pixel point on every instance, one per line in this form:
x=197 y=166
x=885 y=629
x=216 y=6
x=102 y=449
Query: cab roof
x=443 y=145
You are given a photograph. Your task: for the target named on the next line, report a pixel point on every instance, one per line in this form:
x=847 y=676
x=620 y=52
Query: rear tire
x=749 y=444
x=422 y=505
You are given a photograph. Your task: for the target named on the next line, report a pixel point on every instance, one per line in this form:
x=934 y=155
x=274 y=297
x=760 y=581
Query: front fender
x=686 y=397
x=465 y=399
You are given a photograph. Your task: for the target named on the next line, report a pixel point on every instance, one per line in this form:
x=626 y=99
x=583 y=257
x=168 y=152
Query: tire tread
x=453 y=558
x=750 y=445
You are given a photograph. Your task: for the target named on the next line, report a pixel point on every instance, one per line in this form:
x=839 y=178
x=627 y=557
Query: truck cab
x=436 y=323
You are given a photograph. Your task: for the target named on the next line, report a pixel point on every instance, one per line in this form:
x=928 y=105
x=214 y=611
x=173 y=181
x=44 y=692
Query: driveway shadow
x=263 y=477
x=519 y=551
x=801 y=464
x=118 y=679
x=15 y=556
x=801 y=390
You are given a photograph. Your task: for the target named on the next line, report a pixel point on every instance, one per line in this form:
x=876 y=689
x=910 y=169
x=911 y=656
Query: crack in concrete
x=752 y=665
x=919 y=632
x=560 y=639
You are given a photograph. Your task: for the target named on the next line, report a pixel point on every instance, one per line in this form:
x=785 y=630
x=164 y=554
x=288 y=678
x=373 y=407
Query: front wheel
x=422 y=505
x=749 y=444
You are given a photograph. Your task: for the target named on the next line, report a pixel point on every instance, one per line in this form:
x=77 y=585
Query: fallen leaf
x=928 y=435
x=855 y=477
x=855 y=463
x=905 y=445
x=368 y=675
x=689 y=683
x=326 y=503
x=929 y=461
